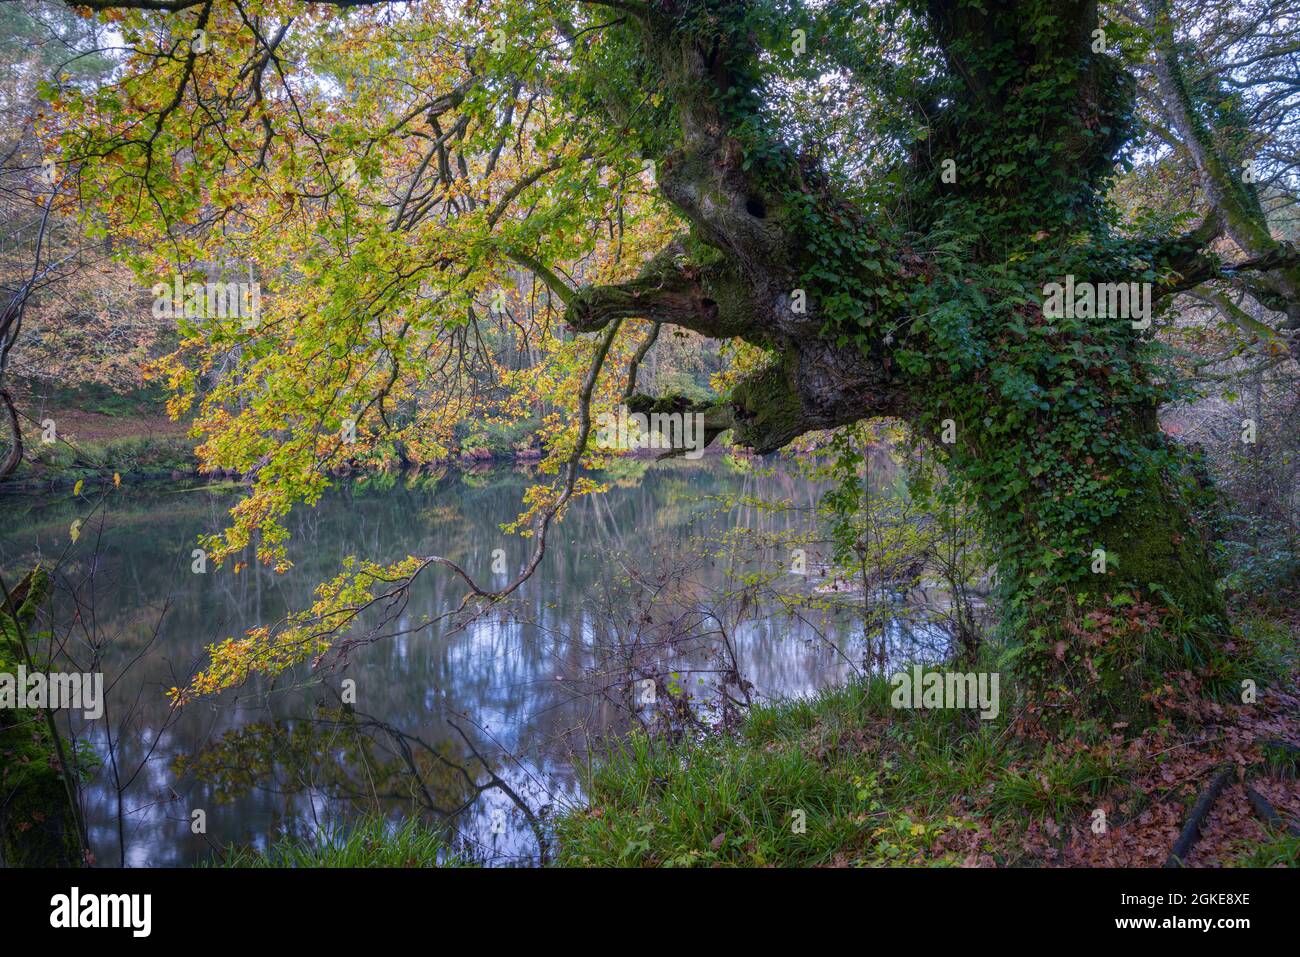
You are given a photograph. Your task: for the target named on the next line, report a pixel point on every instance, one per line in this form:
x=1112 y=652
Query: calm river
x=486 y=728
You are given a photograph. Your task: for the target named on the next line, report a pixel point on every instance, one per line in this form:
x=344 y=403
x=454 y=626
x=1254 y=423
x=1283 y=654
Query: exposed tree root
x=1192 y=829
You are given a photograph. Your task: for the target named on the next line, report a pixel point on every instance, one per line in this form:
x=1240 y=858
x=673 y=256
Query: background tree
x=74 y=303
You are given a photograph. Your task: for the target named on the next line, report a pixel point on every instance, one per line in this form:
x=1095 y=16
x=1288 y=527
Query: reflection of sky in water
x=515 y=683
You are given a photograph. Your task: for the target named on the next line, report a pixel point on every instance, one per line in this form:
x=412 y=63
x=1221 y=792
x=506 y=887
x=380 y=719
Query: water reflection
x=634 y=608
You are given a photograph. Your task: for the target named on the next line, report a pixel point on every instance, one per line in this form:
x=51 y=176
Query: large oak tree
x=868 y=199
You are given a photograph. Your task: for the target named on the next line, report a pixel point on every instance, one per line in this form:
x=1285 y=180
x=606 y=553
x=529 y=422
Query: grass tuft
x=838 y=778
x=374 y=842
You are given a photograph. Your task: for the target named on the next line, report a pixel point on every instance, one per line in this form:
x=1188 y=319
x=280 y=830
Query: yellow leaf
x=76 y=489
x=117 y=480
x=75 y=530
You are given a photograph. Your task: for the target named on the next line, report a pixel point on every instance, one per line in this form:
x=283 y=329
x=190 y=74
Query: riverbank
x=840 y=778
x=845 y=779
x=64 y=446
x=98 y=448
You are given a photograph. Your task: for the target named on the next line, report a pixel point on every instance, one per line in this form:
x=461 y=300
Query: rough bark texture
x=1235 y=208
x=14 y=456
x=735 y=275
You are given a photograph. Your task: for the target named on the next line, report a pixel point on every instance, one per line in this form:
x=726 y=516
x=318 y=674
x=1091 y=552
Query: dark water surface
x=487 y=728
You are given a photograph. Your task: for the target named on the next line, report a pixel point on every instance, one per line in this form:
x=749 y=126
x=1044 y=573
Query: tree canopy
x=866 y=202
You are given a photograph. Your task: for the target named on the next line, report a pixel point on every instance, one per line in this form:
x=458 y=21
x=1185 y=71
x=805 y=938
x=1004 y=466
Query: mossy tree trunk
x=38 y=825
x=924 y=300
x=1108 y=609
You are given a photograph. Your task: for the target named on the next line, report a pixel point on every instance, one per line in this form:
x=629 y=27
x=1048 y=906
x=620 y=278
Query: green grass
x=1281 y=850
x=1282 y=761
x=371 y=843
x=654 y=808
x=873 y=785
x=1056 y=786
